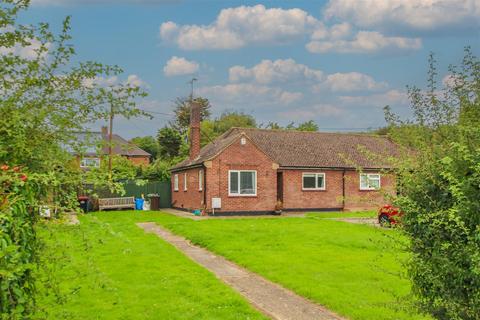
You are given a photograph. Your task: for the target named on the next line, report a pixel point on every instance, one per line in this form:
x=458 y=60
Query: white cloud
x=451 y=81
x=268 y=71
x=391 y=97
x=293 y=73
x=365 y=42
x=249 y=94
x=352 y=81
x=132 y=80
x=420 y=15
x=27 y=52
x=337 y=31
x=177 y=66
x=240 y=26
x=136 y=81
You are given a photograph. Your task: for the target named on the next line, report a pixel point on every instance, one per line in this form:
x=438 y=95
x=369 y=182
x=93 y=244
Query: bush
x=17 y=243
x=439 y=182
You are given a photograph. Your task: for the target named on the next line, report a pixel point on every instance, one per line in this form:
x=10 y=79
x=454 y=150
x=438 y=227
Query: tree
x=169 y=142
x=45 y=100
x=230 y=119
x=307 y=126
x=439 y=179
x=147 y=143
x=182 y=112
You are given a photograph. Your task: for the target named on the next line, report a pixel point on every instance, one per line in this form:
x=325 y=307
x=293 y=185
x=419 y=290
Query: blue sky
x=337 y=62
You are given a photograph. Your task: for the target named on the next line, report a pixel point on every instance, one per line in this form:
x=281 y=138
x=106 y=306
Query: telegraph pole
x=110 y=143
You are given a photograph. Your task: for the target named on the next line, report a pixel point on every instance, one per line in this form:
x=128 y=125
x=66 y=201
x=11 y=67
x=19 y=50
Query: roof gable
x=93 y=141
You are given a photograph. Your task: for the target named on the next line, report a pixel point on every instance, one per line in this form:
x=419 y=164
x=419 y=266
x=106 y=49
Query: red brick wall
x=193 y=197
x=296 y=198
x=140 y=161
x=356 y=199
x=242 y=157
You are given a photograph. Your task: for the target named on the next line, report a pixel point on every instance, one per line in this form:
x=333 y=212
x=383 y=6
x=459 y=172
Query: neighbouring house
x=96 y=146
x=248 y=171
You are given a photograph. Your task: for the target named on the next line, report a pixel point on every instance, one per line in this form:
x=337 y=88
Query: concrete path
x=270 y=298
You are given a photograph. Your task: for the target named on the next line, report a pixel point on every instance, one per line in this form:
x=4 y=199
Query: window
x=185 y=180
x=242 y=183
x=175 y=182
x=369 y=181
x=90 y=163
x=200 y=180
x=313 y=181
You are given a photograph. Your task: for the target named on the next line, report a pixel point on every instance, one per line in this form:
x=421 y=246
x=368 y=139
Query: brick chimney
x=194 y=130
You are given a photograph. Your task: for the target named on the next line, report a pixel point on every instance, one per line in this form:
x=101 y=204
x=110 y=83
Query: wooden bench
x=116 y=203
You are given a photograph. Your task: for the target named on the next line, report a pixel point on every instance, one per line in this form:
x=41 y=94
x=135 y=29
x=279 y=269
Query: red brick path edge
x=271 y=299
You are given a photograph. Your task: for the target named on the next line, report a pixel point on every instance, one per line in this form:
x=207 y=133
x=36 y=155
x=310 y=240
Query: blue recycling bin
x=139 y=203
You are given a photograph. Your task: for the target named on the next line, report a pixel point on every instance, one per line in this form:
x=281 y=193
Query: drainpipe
x=343 y=189
x=204 y=188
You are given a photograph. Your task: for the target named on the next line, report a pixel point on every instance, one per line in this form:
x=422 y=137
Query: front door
x=280 y=186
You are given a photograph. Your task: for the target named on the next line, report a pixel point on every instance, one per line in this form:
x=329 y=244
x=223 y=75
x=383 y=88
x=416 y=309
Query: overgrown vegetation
x=439 y=181
x=45 y=100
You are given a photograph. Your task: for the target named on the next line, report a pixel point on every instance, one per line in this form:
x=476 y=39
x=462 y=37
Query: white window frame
x=83 y=165
x=185 y=182
x=368 y=175
x=239 y=194
x=175 y=182
x=200 y=180
x=316 y=174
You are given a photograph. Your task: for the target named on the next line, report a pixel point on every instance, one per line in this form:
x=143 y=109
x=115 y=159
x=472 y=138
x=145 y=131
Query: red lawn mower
x=389 y=215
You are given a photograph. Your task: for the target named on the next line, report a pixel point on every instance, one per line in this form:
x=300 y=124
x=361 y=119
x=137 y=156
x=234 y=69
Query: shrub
x=17 y=243
x=439 y=181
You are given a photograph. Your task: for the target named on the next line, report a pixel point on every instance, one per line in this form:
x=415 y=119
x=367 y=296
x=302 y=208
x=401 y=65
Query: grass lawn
x=360 y=214
x=352 y=269
x=108 y=268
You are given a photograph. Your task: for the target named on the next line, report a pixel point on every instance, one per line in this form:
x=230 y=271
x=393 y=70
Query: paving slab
x=270 y=298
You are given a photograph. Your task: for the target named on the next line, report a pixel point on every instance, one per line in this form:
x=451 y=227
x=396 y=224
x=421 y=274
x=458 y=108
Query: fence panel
x=162 y=188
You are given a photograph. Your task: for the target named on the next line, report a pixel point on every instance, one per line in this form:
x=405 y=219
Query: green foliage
x=211 y=129
x=309 y=125
x=169 y=142
x=147 y=143
x=158 y=170
x=45 y=100
x=182 y=113
x=18 y=244
x=439 y=179
x=230 y=119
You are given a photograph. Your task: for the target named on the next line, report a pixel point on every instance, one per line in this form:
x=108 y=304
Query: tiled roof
x=90 y=142
x=291 y=148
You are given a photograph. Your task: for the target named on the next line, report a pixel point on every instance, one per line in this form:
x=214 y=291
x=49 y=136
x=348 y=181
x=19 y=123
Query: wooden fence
x=162 y=188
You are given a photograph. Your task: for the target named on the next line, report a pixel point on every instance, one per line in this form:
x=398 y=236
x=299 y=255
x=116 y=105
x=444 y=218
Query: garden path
x=268 y=297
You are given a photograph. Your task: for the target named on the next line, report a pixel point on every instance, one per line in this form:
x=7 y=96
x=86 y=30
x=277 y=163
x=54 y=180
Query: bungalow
x=248 y=171
x=96 y=146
